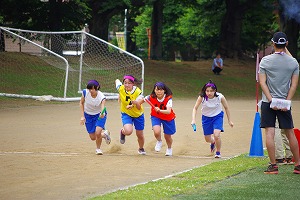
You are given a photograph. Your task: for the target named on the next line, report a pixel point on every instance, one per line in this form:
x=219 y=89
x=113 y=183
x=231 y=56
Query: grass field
x=241 y=177
x=187 y=78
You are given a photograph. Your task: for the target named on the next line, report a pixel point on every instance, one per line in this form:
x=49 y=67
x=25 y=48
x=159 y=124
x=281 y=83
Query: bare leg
x=270 y=133
x=98 y=136
x=141 y=139
x=169 y=140
x=128 y=129
x=217 y=138
x=157 y=132
x=209 y=138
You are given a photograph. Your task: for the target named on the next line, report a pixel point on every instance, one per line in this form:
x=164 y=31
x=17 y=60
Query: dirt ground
x=46 y=154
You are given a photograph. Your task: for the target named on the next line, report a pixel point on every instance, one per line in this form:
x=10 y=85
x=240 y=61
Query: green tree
x=289 y=14
x=156 y=30
x=200 y=26
x=103 y=11
x=54 y=15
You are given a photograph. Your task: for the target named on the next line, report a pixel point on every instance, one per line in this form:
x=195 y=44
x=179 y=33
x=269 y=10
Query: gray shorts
x=268 y=117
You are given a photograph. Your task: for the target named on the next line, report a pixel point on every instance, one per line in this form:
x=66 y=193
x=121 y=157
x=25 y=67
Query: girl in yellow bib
x=132 y=112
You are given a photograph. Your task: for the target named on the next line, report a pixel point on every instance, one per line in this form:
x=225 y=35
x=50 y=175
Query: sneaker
x=122 y=136
x=99 y=152
x=169 y=152
x=158 y=146
x=272 y=169
x=218 y=154
x=141 y=151
x=212 y=147
x=297 y=169
x=107 y=136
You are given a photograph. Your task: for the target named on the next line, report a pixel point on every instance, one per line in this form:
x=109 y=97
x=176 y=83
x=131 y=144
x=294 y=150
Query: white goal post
x=57 y=65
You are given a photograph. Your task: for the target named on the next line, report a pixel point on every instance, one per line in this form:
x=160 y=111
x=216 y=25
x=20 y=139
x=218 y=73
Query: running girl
x=212 y=115
x=92 y=102
x=162 y=114
x=132 y=112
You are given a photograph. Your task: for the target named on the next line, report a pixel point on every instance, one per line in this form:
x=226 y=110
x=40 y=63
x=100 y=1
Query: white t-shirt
x=92 y=106
x=278 y=70
x=212 y=107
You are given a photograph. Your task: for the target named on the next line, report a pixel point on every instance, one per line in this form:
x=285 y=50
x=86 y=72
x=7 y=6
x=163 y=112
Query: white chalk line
x=37 y=153
x=30 y=153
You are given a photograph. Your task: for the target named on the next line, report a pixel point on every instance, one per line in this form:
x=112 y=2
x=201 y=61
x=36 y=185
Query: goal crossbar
x=98 y=59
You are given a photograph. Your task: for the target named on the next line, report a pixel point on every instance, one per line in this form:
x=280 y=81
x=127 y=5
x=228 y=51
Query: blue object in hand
x=194 y=127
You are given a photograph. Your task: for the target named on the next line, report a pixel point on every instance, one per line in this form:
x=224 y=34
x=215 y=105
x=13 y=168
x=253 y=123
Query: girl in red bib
x=162 y=114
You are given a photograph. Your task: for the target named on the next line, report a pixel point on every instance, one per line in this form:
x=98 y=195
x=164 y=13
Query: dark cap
x=279 y=38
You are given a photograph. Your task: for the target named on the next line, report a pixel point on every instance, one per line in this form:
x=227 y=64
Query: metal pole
x=125 y=30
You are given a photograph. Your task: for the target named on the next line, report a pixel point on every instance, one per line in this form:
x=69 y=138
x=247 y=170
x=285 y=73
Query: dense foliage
x=188 y=29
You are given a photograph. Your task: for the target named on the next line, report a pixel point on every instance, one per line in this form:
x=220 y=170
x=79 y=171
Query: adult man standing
x=278 y=78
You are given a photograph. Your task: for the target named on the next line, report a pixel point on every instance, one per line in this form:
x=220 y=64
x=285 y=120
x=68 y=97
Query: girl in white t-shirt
x=92 y=102
x=212 y=115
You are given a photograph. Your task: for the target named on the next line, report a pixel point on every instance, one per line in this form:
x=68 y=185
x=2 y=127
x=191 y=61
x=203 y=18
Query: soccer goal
x=37 y=64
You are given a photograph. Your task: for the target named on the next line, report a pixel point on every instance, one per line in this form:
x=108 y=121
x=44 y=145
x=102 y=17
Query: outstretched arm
x=225 y=105
x=102 y=108
x=138 y=102
x=118 y=84
x=196 y=106
x=81 y=104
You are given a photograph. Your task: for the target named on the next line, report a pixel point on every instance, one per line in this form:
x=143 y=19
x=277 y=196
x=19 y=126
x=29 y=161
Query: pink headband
x=129 y=77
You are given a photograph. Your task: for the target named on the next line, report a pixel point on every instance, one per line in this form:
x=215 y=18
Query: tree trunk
x=2 y=41
x=231 y=26
x=99 y=26
x=156 y=30
x=291 y=28
x=55 y=24
x=131 y=46
x=230 y=38
x=55 y=15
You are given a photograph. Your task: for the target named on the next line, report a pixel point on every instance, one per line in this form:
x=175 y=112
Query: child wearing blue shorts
x=92 y=102
x=212 y=115
x=132 y=112
x=163 y=115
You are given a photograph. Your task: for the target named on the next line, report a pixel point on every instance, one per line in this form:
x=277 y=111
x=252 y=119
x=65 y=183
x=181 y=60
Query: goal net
x=35 y=64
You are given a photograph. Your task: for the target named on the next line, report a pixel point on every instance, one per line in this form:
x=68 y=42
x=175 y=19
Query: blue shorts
x=209 y=124
x=169 y=126
x=92 y=121
x=139 y=122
